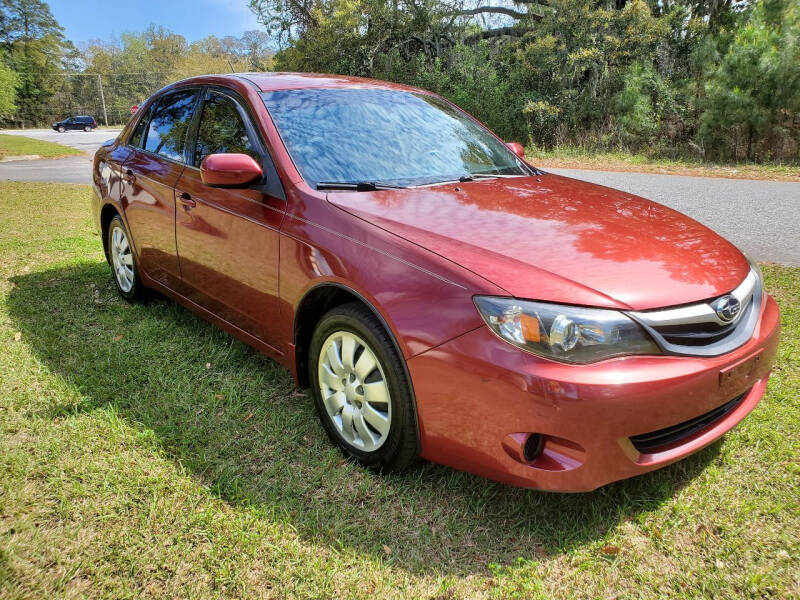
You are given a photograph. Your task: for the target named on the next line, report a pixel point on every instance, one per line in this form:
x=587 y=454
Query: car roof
x=273 y=81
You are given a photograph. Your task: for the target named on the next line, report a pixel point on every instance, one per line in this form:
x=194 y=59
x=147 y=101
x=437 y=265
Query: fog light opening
x=533 y=447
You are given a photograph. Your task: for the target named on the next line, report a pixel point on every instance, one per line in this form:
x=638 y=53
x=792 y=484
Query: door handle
x=187 y=201
x=130 y=177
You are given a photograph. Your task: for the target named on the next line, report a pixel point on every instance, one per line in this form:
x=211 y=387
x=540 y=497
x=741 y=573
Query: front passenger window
x=221 y=130
x=170 y=120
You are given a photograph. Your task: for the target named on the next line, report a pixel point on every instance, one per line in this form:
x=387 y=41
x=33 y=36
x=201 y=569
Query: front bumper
x=478 y=397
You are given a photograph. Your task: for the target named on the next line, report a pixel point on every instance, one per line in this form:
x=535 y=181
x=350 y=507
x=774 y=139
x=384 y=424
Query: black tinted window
x=166 y=130
x=221 y=130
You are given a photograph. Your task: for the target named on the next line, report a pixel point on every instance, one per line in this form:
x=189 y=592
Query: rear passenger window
x=221 y=130
x=166 y=131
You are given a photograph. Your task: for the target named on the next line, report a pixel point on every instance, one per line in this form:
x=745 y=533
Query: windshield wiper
x=471 y=176
x=358 y=186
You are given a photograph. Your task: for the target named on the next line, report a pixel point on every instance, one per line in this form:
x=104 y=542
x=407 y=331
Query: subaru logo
x=727 y=308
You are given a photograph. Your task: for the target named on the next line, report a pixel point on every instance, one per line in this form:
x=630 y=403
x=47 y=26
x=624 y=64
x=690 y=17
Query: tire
x=349 y=393
x=61 y=129
x=86 y=128
x=123 y=262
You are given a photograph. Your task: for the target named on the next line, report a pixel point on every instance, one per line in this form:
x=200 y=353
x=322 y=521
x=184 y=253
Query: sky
x=85 y=20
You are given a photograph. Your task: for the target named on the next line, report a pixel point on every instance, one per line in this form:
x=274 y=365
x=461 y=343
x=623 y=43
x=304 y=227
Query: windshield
x=384 y=136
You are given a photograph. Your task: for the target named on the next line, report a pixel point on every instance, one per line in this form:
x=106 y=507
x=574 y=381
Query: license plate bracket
x=740 y=375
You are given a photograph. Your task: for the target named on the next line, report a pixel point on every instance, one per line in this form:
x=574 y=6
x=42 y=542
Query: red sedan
x=440 y=296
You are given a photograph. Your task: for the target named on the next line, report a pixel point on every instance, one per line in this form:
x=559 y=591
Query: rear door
x=228 y=238
x=149 y=176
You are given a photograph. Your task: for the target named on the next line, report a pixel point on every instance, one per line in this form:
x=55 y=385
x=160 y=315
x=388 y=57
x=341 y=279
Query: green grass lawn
x=17 y=145
x=145 y=453
x=584 y=158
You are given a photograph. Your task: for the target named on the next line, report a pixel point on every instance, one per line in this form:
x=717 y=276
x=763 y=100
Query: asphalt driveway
x=760 y=217
x=73 y=169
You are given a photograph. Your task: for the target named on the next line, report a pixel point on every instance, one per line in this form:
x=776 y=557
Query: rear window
x=166 y=131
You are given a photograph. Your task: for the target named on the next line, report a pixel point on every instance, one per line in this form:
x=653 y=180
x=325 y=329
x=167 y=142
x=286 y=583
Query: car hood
x=561 y=240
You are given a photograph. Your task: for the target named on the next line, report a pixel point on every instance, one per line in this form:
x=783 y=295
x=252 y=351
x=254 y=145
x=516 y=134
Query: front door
x=228 y=238
x=149 y=176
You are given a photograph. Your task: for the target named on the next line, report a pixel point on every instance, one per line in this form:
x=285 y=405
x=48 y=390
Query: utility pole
x=102 y=98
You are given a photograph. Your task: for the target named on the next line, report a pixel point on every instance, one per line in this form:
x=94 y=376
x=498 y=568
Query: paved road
x=760 y=217
x=73 y=169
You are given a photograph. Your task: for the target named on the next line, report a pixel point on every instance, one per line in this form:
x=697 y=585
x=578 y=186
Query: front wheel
x=361 y=390
x=123 y=261
x=61 y=129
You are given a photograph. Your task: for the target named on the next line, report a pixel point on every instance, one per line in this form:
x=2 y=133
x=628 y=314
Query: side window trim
x=191 y=135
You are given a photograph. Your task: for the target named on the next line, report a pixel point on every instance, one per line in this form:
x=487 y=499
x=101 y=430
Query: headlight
x=564 y=333
x=756 y=269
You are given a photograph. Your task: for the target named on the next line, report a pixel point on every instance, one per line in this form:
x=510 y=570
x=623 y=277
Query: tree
x=258 y=48
x=8 y=92
x=35 y=46
x=753 y=109
x=349 y=35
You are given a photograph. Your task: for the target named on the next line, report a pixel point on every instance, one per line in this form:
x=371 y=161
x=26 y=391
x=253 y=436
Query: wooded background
x=710 y=79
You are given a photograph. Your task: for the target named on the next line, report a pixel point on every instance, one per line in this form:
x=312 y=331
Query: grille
x=701 y=334
x=653 y=441
x=697 y=329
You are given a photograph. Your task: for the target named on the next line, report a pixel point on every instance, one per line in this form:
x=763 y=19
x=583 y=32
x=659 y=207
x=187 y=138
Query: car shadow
x=235 y=420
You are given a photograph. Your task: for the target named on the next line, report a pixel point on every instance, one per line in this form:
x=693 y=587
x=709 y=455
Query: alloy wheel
x=355 y=391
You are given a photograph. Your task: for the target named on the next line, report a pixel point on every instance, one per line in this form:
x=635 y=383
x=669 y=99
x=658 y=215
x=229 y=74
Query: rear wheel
x=123 y=261
x=361 y=390
x=87 y=128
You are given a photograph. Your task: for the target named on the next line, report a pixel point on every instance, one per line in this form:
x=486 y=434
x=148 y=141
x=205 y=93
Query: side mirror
x=516 y=148
x=229 y=170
